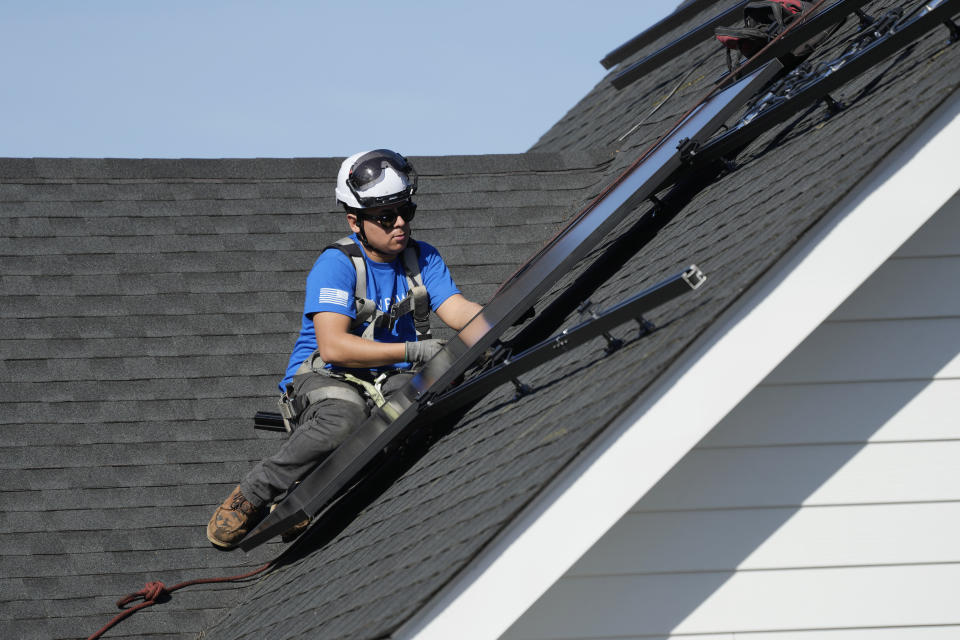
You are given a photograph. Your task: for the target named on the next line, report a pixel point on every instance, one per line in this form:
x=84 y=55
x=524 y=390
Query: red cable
x=153 y=591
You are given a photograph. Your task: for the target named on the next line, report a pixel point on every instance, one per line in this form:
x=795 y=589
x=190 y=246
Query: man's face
x=386 y=240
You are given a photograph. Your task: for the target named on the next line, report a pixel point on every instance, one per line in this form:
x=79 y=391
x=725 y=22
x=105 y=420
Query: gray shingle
x=148 y=309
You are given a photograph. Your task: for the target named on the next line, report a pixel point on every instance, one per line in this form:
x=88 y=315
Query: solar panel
x=343 y=466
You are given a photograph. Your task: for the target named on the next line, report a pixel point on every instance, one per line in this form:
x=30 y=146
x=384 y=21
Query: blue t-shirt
x=331 y=285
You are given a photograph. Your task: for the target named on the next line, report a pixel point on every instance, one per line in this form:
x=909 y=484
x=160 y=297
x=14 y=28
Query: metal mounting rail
x=598 y=325
x=695 y=36
x=630 y=47
x=803 y=94
x=345 y=463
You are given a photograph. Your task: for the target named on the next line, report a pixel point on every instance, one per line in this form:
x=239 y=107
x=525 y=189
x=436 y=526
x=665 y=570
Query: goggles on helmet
x=387 y=218
x=367 y=170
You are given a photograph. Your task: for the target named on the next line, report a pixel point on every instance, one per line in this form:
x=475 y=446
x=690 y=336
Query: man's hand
x=421 y=351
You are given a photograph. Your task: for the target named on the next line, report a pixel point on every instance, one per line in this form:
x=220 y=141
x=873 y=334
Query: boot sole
x=219 y=543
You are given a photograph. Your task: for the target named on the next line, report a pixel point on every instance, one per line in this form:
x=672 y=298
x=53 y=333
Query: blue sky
x=212 y=79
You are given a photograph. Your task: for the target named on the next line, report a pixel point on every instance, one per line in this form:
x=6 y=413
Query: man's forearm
x=470 y=310
x=348 y=350
x=457 y=311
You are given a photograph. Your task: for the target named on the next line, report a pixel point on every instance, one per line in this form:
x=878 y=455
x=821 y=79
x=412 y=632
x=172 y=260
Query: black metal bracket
x=613 y=344
x=598 y=324
x=866 y=20
x=522 y=388
x=833 y=107
x=644 y=326
x=953 y=29
x=688 y=149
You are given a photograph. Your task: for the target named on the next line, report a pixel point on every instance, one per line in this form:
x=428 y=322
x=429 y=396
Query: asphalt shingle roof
x=130 y=287
x=148 y=309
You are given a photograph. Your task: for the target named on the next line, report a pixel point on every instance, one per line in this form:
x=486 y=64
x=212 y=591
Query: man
x=364 y=327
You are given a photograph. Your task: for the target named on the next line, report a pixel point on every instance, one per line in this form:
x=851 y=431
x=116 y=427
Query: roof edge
x=718 y=370
x=275 y=168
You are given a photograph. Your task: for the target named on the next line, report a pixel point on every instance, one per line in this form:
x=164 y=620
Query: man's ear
x=353 y=222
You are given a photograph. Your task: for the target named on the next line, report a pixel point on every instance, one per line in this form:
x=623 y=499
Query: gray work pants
x=320 y=429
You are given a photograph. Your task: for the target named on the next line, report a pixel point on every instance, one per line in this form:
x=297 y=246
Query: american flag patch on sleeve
x=337 y=297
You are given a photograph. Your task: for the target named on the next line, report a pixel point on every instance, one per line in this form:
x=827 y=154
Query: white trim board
x=719 y=370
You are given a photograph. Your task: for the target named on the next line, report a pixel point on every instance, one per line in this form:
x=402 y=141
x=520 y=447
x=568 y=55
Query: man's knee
x=396 y=382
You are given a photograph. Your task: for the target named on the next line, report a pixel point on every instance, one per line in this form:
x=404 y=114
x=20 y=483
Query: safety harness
x=417 y=301
x=307 y=388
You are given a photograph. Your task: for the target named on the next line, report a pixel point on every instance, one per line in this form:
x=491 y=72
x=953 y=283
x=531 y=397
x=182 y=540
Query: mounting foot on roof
x=523 y=389
x=954 y=30
x=865 y=19
x=688 y=149
x=729 y=164
x=612 y=343
x=833 y=107
x=657 y=203
x=645 y=327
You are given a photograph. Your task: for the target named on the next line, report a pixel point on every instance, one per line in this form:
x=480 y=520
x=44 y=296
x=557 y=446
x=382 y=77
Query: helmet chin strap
x=361 y=233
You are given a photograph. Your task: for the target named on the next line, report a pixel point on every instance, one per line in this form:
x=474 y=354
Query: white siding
x=825 y=506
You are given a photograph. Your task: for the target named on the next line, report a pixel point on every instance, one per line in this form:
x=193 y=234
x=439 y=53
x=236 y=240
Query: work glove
x=421 y=351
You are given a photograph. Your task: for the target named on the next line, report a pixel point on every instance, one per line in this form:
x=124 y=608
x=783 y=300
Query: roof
x=148 y=312
x=131 y=274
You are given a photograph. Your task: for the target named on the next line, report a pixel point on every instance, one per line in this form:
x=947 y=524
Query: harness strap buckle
x=373 y=392
x=287 y=412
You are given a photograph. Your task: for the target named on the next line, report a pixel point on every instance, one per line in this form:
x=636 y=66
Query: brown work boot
x=232 y=520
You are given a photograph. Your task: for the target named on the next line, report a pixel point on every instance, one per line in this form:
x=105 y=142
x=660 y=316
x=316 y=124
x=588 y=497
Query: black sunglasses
x=387 y=218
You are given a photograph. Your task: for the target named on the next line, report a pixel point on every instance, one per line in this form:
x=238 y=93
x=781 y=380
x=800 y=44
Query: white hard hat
x=375 y=178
